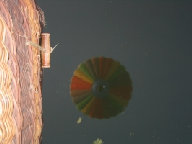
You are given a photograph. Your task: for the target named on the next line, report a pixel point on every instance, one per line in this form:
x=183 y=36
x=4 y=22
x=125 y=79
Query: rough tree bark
x=20 y=73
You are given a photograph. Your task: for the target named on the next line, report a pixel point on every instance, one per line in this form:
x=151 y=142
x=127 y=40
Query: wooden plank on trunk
x=20 y=72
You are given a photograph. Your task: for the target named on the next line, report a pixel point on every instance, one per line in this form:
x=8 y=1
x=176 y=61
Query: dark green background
x=152 y=39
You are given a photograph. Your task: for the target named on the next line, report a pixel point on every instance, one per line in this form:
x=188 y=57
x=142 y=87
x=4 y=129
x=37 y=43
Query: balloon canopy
x=101 y=87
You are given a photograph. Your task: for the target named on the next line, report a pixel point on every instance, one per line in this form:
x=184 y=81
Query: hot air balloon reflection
x=101 y=87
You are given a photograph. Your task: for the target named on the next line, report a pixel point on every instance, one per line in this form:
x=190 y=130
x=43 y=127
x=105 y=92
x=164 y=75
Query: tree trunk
x=20 y=73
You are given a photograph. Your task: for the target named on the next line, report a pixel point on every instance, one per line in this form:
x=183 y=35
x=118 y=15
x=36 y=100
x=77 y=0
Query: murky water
x=152 y=39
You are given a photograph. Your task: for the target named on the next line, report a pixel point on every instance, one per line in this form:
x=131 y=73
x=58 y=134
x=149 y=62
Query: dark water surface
x=152 y=39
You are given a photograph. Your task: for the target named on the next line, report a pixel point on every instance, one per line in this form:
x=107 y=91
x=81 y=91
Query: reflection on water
x=131 y=133
x=98 y=141
x=101 y=87
x=79 y=120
